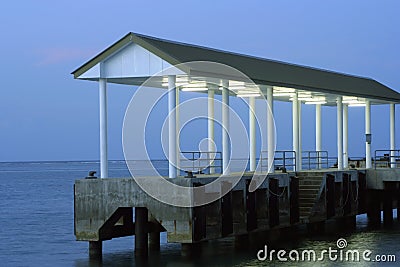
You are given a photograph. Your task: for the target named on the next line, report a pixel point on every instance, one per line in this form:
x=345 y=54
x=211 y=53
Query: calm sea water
x=36 y=227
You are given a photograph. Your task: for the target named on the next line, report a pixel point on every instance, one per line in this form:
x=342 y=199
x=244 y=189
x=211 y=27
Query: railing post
x=284 y=159
x=295 y=161
x=193 y=161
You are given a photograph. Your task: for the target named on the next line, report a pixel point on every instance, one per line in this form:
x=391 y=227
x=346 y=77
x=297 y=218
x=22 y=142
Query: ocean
x=36 y=227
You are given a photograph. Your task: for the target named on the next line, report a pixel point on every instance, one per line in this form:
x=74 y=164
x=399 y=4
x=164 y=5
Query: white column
x=178 y=125
x=295 y=133
x=345 y=136
x=340 y=132
x=103 y=128
x=252 y=132
x=300 y=163
x=210 y=110
x=392 y=136
x=172 y=126
x=225 y=130
x=318 y=133
x=270 y=128
x=368 y=162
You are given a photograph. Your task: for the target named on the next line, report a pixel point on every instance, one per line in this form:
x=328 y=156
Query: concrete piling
x=242 y=241
x=316 y=227
x=346 y=224
x=398 y=201
x=154 y=241
x=388 y=204
x=141 y=232
x=374 y=208
x=189 y=250
x=95 y=249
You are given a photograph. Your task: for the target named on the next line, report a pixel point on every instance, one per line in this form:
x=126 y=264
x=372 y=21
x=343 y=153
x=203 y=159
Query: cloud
x=57 y=55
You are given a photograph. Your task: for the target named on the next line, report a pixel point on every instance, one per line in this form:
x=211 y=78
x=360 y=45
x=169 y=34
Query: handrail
x=319 y=159
x=389 y=159
x=287 y=159
x=198 y=163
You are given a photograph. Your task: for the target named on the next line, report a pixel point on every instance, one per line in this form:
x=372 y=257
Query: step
x=306 y=200
x=309 y=182
x=306 y=205
x=308 y=195
x=309 y=190
x=305 y=212
x=310 y=186
x=310 y=178
x=314 y=197
x=310 y=174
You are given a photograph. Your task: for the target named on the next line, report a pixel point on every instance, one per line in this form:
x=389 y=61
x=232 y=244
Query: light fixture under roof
x=284 y=89
x=177 y=84
x=321 y=102
x=237 y=87
x=248 y=95
x=357 y=105
x=236 y=84
x=283 y=94
x=194 y=89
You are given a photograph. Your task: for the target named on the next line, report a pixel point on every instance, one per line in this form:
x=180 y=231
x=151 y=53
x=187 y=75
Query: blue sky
x=46 y=115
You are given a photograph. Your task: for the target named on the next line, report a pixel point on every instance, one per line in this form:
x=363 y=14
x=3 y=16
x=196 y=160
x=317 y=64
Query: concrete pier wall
x=104 y=207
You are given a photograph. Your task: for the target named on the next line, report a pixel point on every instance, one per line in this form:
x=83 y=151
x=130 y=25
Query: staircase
x=309 y=188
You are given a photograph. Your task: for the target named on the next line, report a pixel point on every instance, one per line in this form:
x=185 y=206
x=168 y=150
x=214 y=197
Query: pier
x=104 y=208
x=277 y=190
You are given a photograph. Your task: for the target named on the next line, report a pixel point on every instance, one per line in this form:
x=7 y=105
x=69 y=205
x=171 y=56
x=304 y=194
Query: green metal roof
x=260 y=70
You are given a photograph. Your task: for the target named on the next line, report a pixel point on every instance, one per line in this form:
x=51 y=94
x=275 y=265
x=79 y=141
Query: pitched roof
x=260 y=70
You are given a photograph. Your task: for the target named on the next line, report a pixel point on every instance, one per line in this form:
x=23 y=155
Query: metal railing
x=283 y=159
x=387 y=158
x=201 y=162
x=315 y=160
